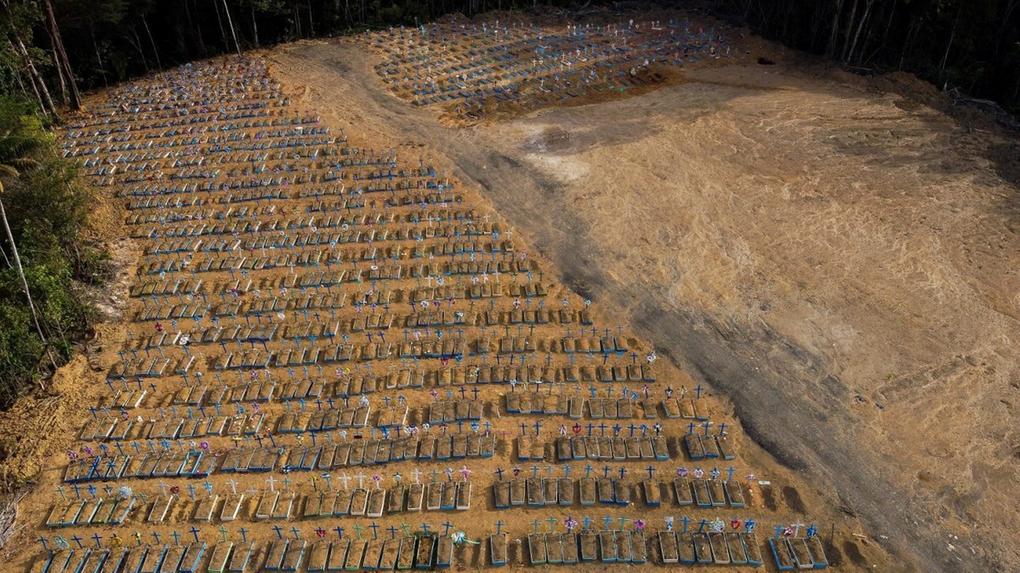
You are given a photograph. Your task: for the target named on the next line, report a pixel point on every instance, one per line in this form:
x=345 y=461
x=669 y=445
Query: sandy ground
x=833 y=257
x=40 y=433
x=836 y=258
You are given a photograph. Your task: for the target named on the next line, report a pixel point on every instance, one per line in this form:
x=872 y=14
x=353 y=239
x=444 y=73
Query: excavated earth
x=837 y=255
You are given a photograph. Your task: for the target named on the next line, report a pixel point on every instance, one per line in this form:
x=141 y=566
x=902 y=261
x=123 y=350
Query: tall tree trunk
x=849 y=29
x=37 y=79
x=196 y=30
x=857 y=35
x=137 y=43
x=21 y=84
x=863 y=60
x=155 y=50
x=230 y=21
x=909 y=42
x=60 y=54
x=1004 y=23
x=31 y=81
x=24 y=281
x=949 y=45
x=254 y=26
x=834 y=34
x=60 y=76
x=99 y=55
x=311 y=23
x=223 y=31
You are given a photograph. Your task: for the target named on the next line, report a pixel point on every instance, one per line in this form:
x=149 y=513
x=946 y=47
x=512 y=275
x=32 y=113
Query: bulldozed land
x=823 y=265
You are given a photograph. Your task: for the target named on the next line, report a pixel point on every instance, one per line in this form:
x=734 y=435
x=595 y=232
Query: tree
x=15 y=148
x=230 y=22
x=63 y=65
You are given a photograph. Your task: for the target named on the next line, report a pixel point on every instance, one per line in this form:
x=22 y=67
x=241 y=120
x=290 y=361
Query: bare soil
x=834 y=254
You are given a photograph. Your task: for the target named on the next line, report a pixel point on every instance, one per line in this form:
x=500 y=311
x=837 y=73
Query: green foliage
x=966 y=44
x=47 y=208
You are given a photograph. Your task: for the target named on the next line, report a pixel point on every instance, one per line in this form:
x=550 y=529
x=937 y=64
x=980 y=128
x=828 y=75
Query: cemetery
x=472 y=70
x=340 y=359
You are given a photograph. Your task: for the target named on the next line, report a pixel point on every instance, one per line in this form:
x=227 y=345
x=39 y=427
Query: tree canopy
x=970 y=45
x=44 y=262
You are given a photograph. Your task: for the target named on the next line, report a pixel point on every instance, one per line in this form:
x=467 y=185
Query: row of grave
x=199 y=463
x=537 y=492
x=317 y=327
x=301 y=355
x=319 y=392
x=133 y=394
x=187 y=308
x=246 y=224
x=440 y=411
x=172 y=428
x=306 y=231
x=225 y=332
x=98 y=145
x=408 y=200
x=319 y=237
x=325 y=418
x=434 y=344
x=279 y=253
x=534 y=492
x=157 y=463
x=222 y=261
x=267 y=113
x=249 y=220
x=303 y=172
x=179 y=288
x=270 y=505
x=532 y=403
x=141 y=367
x=307 y=181
x=403 y=553
x=105 y=115
x=426 y=552
x=621 y=448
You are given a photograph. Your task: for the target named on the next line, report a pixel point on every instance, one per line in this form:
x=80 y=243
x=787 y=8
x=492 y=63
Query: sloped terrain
x=832 y=253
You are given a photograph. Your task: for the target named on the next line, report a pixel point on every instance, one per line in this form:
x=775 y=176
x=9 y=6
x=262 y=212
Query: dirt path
x=838 y=262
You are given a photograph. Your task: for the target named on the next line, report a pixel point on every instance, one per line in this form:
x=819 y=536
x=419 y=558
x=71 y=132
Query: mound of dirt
x=40 y=427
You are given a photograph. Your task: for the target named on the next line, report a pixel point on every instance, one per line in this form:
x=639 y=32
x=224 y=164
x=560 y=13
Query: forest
x=63 y=46
x=55 y=50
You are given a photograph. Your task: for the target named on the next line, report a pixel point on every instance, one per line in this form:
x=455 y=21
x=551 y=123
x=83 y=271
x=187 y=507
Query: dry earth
x=834 y=254
x=39 y=435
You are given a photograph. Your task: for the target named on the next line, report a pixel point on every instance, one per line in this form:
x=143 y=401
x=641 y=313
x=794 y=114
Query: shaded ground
x=838 y=260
